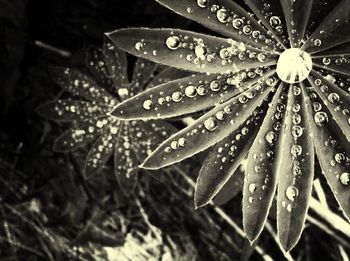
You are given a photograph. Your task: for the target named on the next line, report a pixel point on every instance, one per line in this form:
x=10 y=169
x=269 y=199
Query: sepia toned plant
x=130 y=141
x=274 y=89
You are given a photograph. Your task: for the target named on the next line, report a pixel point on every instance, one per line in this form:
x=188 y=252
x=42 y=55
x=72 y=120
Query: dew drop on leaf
x=210 y=124
x=291 y=193
x=173 y=42
x=345 y=178
x=321 y=118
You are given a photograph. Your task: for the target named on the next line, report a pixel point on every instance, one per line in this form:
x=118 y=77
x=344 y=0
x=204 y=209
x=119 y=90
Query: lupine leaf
x=71 y=110
x=221 y=16
x=336 y=51
x=191 y=51
x=334 y=30
x=102 y=149
x=297 y=15
x=81 y=134
x=223 y=160
x=336 y=100
x=147 y=135
x=260 y=175
x=95 y=62
x=143 y=71
x=125 y=162
x=115 y=60
x=82 y=85
x=295 y=165
x=210 y=128
x=186 y=95
x=332 y=151
x=231 y=188
x=335 y=63
x=270 y=14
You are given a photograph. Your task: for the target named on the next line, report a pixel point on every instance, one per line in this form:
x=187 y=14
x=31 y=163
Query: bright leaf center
x=294 y=65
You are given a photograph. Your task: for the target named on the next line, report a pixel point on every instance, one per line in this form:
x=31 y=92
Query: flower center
x=294 y=65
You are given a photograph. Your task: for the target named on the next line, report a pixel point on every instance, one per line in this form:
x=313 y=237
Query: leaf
x=166 y=75
x=334 y=63
x=296 y=14
x=295 y=165
x=143 y=72
x=270 y=10
x=336 y=100
x=186 y=95
x=115 y=60
x=332 y=150
x=125 y=161
x=223 y=160
x=334 y=30
x=82 y=85
x=231 y=188
x=191 y=51
x=209 y=129
x=260 y=175
x=222 y=16
x=147 y=135
x=102 y=149
x=95 y=62
x=81 y=134
x=72 y=110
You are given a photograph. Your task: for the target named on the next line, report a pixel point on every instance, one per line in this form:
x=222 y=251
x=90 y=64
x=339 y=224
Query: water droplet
x=275 y=21
x=173 y=42
x=317 y=106
x=270 y=137
x=139 y=46
x=333 y=97
x=215 y=86
x=202 y=90
x=321 y=118
x=182 y=142
x=344 y=178
x=262 y=57
x=339 y=157
x=222 y=15
x=202 y=3
x=297 y=131
x=247 y=29
x=147 y=104
x=326 y=61
x=176 y=96
x=317 y=42
x=252 y=187
x=190 y=91
x=210 y=124
x=296 y=150
x=174 y=145
x=237 y=23
x=291 y=193
x=219 y=115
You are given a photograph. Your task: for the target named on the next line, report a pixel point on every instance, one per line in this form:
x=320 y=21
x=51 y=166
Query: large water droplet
x=333 y=97
x=252 y=187
x=190 y=91
x=296 y=150
x=147 y=104
x=222 y=15
x=294 y=65
x=291 y=193
x=321 y=118
x=202 y=3
x=210 y=124
x=345 y=178
x=173 y=42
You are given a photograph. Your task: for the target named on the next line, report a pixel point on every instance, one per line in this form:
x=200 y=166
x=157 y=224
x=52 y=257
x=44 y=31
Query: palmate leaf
x=125 y=161
x=295 y=165
x=81 y=134
x=231 y=188
x=72 y=110
x=261 y=175
x=102 y=149
x=191 y=51
x=296 y=14
x=334 y=30
x=210 y=128
x=269 y=12
x=224 y=158
x=82 y=85
x=332 y=151
x=336 y=100
x=225 y=17
x=187 y=95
